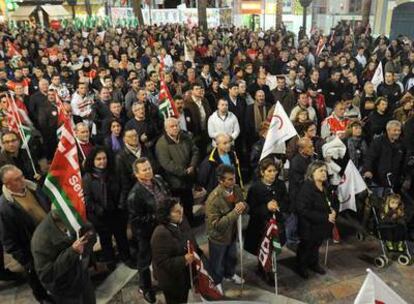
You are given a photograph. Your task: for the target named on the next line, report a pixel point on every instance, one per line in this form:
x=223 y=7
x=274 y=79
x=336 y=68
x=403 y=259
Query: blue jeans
x=223 y=260
x=291 y=228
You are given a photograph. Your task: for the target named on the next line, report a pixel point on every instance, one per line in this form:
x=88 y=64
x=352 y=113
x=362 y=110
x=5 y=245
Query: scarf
x=115 y=143
x=259 y=117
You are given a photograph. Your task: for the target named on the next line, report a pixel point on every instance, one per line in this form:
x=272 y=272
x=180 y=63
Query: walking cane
x=239 y=229
x=326 y=252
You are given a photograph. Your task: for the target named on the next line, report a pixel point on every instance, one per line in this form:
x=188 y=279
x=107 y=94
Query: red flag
x=166 y=103
x=203 y=283
x=63 y=183
x=269 y=243
x=11 y=50
x=17 y=114
x=320 y=47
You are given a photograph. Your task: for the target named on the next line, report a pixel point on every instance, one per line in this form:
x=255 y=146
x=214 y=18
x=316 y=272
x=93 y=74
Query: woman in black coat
x=170 y=257
x=266 y=197
x=316 y=216
x=102 y=192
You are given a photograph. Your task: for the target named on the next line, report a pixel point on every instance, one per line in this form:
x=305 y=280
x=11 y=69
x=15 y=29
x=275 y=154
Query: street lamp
x=305 y=4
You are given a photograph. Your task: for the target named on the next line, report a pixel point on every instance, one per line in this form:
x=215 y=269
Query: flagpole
x=326 y=252
x=190 y=268
x=274 y=264
x=25 y=143
x=239 y=229
x=80 y=148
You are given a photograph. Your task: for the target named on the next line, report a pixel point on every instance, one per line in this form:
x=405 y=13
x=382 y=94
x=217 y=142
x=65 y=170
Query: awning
x=56 y=11
x=23 y=12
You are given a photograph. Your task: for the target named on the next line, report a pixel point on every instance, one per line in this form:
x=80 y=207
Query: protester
x=316 y=215
x=170 y=257
x=62 y=261
x=178 y=157
x=145 y=195
x=224 y=205
x=266 y=198
x=17 y=225
x=102 y=191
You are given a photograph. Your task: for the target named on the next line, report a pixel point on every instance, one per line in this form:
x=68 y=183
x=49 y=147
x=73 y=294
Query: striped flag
x=166 y=103
x=63 y=183
x=320 y=47
x=18 y=120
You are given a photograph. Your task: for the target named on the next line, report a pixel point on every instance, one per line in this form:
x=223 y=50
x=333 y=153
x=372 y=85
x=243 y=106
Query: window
x=355 y=6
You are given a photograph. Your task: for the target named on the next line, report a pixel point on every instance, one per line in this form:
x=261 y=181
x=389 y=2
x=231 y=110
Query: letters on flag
x=351 y=184
x=269 y=243
x=166 y=106
x=375 y=291
x=280 y=130
x=63 y=183
x=203 y=282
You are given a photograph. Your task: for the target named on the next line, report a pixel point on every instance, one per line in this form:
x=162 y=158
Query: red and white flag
x=280 y=130
x=12 y=51
x=269 y=244
x=203 y=282
x=320 y=47
x=63 y=183
x=351 y=184
x=166 y=106
x=375 y=291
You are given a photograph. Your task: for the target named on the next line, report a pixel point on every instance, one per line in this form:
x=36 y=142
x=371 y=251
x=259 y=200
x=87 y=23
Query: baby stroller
x=385 y=231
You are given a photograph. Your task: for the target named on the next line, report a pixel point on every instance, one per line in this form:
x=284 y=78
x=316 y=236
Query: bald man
x=22 y=207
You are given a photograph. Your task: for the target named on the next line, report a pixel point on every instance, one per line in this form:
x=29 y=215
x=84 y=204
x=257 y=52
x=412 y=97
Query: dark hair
x=223 y=169
x=138 y=161
x=266 y=163
x=89 y=161
x=111 y=121
x=164 y=209
x=178 y=97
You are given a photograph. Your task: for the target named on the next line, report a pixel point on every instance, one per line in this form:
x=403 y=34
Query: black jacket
x=142 y=207
x=257 y=198
x=286 y=98
x=312 y=207
x=102 y=193
x=207 y=176
x=384 y=157
x=169 y=245
x=298 y=166
x=17 y=226
x=391 y=92
x=376 y=124
x=124 y=161
x=22 y=161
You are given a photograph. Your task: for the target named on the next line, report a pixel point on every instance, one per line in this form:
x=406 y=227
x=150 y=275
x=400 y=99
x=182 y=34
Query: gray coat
x=59 y=267
x=176 y=158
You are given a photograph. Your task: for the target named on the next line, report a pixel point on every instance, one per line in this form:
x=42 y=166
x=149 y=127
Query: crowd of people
x=141 y=169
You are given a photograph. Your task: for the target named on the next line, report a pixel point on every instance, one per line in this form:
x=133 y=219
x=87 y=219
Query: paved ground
x=346 y=267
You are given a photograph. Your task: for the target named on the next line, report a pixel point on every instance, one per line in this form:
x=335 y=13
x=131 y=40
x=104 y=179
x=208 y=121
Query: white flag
x=280 y=130
x=375 y=291
x=378 y=76
x=352 y=183
x=85 y=34
x=102 y=35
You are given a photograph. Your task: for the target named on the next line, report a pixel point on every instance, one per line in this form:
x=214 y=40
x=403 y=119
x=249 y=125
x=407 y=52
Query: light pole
x=305 y=4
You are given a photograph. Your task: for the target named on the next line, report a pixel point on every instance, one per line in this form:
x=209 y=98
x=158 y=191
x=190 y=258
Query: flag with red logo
x=351 y=184
x=375 y=291
x=203 y=282
x=63 y=183
x=320 y=47
x=166 y=106
x=12 y=51
x=269 y=244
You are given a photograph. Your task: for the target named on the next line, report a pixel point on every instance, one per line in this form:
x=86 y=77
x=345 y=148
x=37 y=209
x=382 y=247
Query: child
x=393 y=213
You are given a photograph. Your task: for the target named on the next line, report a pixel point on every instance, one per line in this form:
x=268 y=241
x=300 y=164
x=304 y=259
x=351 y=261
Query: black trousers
x=187 y=200
x=144 y=262
x=176 y=297
x=1 y=257
x=114 y=224
x=307 y=254
x=38 y=290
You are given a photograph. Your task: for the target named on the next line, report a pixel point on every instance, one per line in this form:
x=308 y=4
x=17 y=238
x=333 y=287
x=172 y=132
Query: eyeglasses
x=6 y=142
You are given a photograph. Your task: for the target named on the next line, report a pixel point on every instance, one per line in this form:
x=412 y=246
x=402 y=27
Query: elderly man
x=223 y=207
x=82 y=135
x=62 y=261
x=37 y=100
x=223 y=121
x=148 y=191
x=178 y=156
x=222 y=154
x=22 y=207
x=385 y=160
